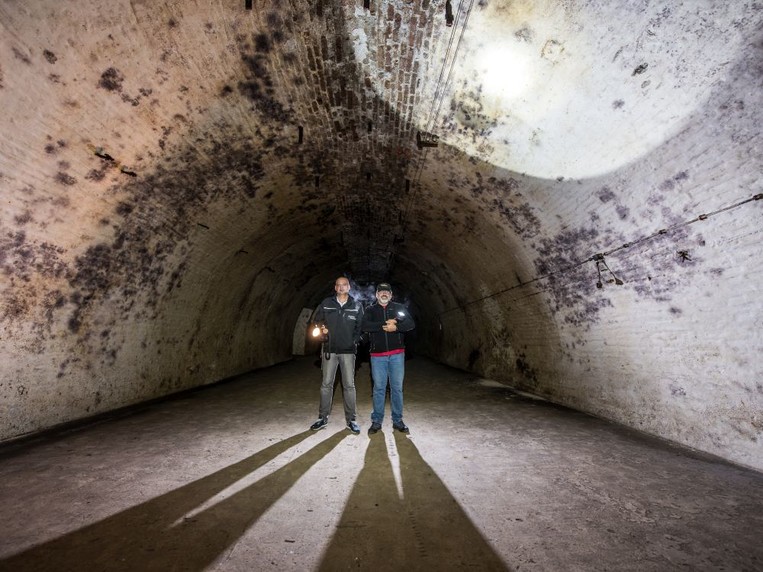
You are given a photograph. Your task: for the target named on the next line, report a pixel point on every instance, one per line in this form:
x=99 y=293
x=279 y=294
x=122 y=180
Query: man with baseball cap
x=386 y=321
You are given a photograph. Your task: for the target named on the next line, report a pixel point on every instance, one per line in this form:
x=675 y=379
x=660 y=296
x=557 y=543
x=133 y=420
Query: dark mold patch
x=52 y=301
x=618 y=104
x=525 y=34
x=14 y=308
x=50 y=56
x=605 y=194
x=135 y=261
x=21 y=56
x=65 y=179
x=124 y=208
x=654 y=200
x=258 y=84
x=21 y=259
x=736 y=105
x=111 y=80
x=96 y=175
x=640 y=69
x=524 y=369
x=500 y=196
x=176 y=278
x=469 y=114
x=262 y=43
x=24 y=218
x=274 y=21
x=570 y=280
x=93 y=269
x=520 y=218
x=134 y=101
x=172 y=23
x=677 y=390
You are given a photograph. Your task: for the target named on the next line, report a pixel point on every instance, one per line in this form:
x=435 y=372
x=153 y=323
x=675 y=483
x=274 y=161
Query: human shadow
x=425 y=530
x=155 y=536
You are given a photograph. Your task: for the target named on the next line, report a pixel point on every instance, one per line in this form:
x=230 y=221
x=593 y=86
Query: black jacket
x=343 y=323
x=375 y=317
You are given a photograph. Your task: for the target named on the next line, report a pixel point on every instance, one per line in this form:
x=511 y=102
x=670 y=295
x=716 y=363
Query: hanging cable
x=434 y=112
x=599 y=256
x=441 y=89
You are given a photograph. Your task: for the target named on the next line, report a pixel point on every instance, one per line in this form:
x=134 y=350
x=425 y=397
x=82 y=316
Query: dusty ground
x=230 y=478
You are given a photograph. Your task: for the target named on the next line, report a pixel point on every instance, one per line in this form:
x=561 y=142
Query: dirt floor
x=230 y=478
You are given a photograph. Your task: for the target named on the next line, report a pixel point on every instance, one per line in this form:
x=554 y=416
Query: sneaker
x=402 y=427
x=320 y=424
x=374 y=428
x=352 y=426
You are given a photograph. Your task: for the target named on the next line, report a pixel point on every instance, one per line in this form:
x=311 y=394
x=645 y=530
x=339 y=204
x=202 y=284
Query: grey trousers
x=329 y=366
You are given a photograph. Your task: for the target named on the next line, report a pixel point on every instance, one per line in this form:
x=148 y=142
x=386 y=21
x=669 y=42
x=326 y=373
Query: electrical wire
x=598 y=257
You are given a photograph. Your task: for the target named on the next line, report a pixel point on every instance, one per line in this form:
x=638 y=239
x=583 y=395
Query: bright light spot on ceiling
x=548 y=91
x=505 y=73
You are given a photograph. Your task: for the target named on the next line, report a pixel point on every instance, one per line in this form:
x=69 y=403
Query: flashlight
x=318 y=333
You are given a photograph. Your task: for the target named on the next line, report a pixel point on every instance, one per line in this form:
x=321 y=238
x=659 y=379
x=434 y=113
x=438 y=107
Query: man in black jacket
x=339 y=319
x=386 y=321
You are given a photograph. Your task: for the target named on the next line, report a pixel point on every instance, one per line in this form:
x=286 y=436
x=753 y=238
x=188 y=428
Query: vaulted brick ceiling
x=182 y=178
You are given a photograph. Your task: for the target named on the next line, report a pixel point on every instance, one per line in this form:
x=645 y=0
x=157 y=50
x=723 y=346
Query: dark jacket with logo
x=343 y=323
x=375 y=317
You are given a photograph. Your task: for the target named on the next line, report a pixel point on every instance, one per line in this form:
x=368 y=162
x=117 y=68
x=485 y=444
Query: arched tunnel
x=566 y=195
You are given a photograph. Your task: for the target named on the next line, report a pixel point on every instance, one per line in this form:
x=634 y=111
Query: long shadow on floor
x=425 y=530
x=148 y=536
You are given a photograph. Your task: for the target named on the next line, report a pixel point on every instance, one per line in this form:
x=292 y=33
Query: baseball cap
x=384 y=286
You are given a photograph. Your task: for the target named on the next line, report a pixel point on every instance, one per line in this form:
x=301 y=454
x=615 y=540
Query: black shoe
x=320 y=424
x=402 y=427
x=352 y=426
x=374 y=428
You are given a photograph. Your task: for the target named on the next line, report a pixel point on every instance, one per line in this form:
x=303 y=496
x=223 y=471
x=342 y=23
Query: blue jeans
x=346 y=362
x=392 y=369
